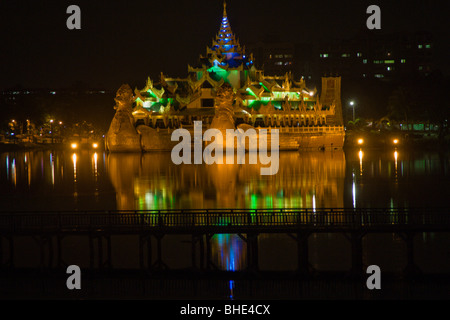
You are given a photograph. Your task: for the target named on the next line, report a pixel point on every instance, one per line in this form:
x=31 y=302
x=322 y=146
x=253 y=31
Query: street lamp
x=352 y=104
x=51 y=129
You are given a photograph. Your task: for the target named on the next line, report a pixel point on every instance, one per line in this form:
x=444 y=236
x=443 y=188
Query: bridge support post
x=209 y=262
x=193 y=251
x=1 y=253
x=357 y=260
x=100 y=252
x=141 y=251
x=108 y=262
x=91 y=251
x=197 y=238
x=411 y=268
x=145 y=242
x=43 y=242
x=159 y=264
x=101 y=263
x=11 y=252
x=303 y=253
x=252 y=252
x=202 y=252
x=59 y=260
x=50 y=252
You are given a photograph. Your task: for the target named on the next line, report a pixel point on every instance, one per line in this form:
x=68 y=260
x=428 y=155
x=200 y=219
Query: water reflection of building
x=152 y=181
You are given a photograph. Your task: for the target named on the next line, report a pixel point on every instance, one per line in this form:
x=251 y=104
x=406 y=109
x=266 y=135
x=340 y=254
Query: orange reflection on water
x=360 y=155
x=14 y=172
x=94 y=158
x=52 y=164
x=395 y=157
x=152 y=181
x=74 y=160
x=395 y=166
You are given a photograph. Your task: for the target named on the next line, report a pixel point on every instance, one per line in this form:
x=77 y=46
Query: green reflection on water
x=152 y=181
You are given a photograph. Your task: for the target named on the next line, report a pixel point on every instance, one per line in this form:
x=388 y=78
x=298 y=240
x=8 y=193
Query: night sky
x=126 y=41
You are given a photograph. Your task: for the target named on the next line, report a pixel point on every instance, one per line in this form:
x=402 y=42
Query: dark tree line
x=68 y=106
x=424 y=100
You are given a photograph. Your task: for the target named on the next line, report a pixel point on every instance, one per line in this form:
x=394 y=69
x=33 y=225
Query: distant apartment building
x=379 y=56
x=389 y=57
x=276 y=58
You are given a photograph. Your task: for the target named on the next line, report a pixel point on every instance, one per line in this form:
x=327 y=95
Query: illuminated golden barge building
x=304 y=120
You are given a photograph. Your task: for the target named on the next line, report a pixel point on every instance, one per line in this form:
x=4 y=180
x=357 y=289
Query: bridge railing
x=221 y=218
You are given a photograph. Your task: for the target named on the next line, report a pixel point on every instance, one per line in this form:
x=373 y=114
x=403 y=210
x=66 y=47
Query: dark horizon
x=125 y=42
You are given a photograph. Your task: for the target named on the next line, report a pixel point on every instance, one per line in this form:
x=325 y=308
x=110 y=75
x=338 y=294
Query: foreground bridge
x=227 y=221
x=49 y=228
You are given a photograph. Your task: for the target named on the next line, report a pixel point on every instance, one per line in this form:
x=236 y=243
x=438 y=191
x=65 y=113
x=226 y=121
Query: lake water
x=62 y=180
x=87 y=180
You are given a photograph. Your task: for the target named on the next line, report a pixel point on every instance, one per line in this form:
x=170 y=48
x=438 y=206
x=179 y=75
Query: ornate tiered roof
x=225 y=51
x=226 y=61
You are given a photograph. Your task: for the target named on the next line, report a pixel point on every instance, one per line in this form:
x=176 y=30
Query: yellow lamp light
x=74 y=145
x=360 y=141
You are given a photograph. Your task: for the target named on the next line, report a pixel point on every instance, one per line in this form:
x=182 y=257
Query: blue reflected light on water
x=228 y=252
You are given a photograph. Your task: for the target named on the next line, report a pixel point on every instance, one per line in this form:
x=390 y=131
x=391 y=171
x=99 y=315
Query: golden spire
x=224 y=8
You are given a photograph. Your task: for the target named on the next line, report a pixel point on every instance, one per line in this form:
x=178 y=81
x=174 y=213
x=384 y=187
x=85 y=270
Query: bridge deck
x=227 y=221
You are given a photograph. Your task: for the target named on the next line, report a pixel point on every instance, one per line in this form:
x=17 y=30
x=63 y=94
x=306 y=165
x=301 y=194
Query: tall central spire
x=225 y=49
x=225 y=38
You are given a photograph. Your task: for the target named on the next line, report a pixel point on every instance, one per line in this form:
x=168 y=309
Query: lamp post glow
x=352 y=104
x=51 y=129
